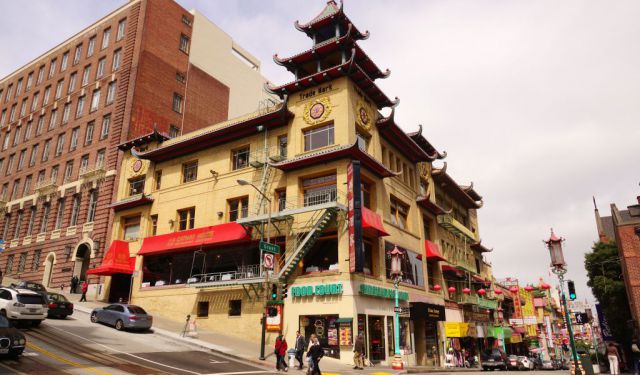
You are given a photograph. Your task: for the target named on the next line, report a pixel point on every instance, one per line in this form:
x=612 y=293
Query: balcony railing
x=454 y=226
x=479 y=301
x=272 y=154
x=94 y=172
x=226 y=277
x=46 y=186
x=316 y=197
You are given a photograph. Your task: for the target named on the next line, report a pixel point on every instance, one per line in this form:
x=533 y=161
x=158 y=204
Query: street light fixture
x=559 y=267
x=396 y=275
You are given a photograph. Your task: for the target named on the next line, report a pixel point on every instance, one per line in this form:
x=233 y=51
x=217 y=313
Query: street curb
x=194 y=342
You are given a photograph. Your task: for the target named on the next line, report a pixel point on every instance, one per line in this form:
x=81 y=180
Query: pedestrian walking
x=358 y=353
x=85 y=287
x=314 y=355
x=301 y=345
x=74 y=284
x=613 y=356
x=280 y=352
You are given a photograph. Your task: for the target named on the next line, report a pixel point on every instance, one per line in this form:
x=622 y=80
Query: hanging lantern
x=396 y=269
x=513 y=289
x=529 y=288
x=466 y=291
x=482 y=292
x=545 y=286
x=497 y=291
x=554 y=245
x=437 y=287
x=452 y=289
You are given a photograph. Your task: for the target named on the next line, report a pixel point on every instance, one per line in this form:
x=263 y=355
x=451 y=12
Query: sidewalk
x=235 y=347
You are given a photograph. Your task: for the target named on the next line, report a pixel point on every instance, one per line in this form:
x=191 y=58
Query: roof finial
x=594 y=203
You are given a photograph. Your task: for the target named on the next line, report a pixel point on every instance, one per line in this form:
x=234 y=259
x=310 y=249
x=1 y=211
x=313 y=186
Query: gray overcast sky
x=536 y=102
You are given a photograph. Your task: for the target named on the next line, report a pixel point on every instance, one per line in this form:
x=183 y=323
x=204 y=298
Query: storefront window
x=410 y=262
x=376 y=341
x=323 y=256
x=326 y=328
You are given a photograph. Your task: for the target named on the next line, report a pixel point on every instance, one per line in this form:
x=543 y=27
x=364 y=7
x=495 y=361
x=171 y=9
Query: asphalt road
x=77 y=346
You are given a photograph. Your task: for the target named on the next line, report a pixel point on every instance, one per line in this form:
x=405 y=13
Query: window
x=92 y=46
x=65 y=113
x=203 y=309
x=36 y=260
x=363 y=141
x=180 y=77
x=40 y=126
x=16 y=136
x=84 y=162
x=173 y=131
x=7 y=138
x=235 y=307
x=54 y=173
x=154 y=224
x=19 y=87
x=411 y=265
x=319 y=190
x=4 y=192
x=3 y=117
x=93 y=203
x=27 y=131
x=238 y=208
x=22 y=263
x=136 y=186
x=85 y=75
x=53 y=119
x=104 y=131
x=29 y=82
x=399 y=213
x=68 y=171
x=282 y=145
x=105 y=38
x=45 y=150
x=75 y=133
x=121 y=26
x=318 y=137
x=117 y=54
x=111 y=93
x=41 y=176
x=7 y=223
x=52 y=68
x=189 y=171
x=59 y=214
x=240 y=158
x=34 y=155
x=184 y=43
x=16 y=231
x=100 y=158
x=281 y=196
x=32 y=220
x=80 y=107
x=95 y=100
x=186 y=20
x=9 y=90
x=100 y=71
x=64 y=62
x=88 y=137
x=73 y=78
x=12 y=113
x=60 y=144
x=21 y=159
x=23 y=107
x=77 y=54
x=9 y=268
x=46 y=208
x=45 y=98
x=26 y=189
x=59 y=89
x=10 y=164
x=186 y=218
x=177 y=103
x=16 y=189
x=158 y=179
x=75 y=209
x=131 y=226
x=40 y=75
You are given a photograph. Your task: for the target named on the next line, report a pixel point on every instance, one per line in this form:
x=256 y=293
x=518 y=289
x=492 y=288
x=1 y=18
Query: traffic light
x=274 y=292
x=572 y=290
x=284 y=290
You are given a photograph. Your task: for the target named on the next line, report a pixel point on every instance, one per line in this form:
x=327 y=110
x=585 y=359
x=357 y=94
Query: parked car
x=493 y=359
x=547 y=365
x=512 y=362
x=525 y=363
x=59 y=306
x=23 y=305
x=12 y=341
x=36 y=287
x=123 y=316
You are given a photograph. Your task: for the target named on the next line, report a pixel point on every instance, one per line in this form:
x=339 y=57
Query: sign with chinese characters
x=316 y=290
x=354 y=216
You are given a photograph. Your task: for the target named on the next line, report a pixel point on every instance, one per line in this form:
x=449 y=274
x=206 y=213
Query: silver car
x=123 y=316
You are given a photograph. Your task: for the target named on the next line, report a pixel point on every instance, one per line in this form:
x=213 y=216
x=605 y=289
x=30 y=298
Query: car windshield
x=136 y=309
x=57 y=298
x=33 y=286
x=4 y=323
x=31 y=299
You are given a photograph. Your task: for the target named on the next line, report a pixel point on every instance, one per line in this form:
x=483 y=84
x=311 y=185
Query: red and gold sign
x=317 y=111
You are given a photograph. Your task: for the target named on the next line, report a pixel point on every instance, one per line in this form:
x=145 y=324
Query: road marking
x=216 y=361
x=65 y=360
x=243 y=372
x=30 y=354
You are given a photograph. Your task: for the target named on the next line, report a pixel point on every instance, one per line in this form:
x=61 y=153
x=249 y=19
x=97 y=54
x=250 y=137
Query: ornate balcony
x=94 y=173
x=46 y=187
x=479 y=301
x=454 y=226
x=3 y=201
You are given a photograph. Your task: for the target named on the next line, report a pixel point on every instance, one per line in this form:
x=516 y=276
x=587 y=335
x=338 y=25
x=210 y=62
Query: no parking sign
x=268 y=259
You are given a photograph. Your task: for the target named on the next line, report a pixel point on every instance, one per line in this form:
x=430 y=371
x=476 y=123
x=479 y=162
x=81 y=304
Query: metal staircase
x=260 y=161
x=302 y=239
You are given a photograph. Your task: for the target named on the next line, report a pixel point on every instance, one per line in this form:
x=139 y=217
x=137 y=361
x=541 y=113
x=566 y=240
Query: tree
x=606 y=282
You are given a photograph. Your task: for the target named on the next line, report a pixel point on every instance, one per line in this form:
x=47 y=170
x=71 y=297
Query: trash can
x=292 y=357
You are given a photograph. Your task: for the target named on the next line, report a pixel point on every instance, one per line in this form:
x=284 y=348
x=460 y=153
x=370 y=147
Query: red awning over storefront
x=194 y=238
x=372 y=223
x=450 y=268
x=117 y=260
x=433 y=252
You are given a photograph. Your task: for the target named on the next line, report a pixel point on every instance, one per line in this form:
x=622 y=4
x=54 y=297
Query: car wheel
x=94 y=317
x=36 y=323
x=119 y=325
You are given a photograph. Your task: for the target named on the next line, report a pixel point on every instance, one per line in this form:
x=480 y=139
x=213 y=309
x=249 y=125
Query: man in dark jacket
x=315 y=353
x=358 y=353
x=74 y=284
x=301 y=345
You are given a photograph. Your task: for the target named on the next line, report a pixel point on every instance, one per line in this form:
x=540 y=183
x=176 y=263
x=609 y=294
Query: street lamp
x=559 y=267
x=266 y=273
x=396 y=275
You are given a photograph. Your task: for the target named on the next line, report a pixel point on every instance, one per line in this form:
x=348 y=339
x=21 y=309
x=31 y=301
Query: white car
x=23 y=305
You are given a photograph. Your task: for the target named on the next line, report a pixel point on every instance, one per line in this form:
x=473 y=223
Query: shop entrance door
x=376 y=338
x=431 y=337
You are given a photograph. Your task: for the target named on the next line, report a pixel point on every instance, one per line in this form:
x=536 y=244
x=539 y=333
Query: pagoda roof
x=431 y=206
x=328 y=15
x=478 y=246
x=471 y=192
x=348 y=68
x=425 y=144
x=154 y=136
x=214 y=135
x=441 y=177
x=331 y=46
x=401 y=140
x=340 y=152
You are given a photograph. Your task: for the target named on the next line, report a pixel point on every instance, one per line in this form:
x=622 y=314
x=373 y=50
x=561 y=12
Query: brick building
x=623 y=227
x=147 y=65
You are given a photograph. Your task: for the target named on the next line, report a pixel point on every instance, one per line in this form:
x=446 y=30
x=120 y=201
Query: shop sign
x=456 y=329
x=317 y=290
x=269 y=247
x=376 y=291
x=435 y=312
x=476 y=316
x=274 y=323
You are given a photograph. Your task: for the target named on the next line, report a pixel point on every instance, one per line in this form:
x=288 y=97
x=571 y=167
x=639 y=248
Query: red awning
x=433 y=252
x=117 y=260
x=450 y=268
x=372 y=223
x=194 y=238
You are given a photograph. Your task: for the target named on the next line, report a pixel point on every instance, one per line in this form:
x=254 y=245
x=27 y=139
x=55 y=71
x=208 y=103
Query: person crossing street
x=281 y=352
x=300 y=347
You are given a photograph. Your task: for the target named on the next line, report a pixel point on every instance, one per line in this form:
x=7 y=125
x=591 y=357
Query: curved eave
x=218 y=136
x=430 y=206
x=419 y=139
x=471 y=192
x=400 y=140
x=328 y=15
x=135 y=201
x=350 y=151
x=481 y=248
x=154 y=136
x=449 y=185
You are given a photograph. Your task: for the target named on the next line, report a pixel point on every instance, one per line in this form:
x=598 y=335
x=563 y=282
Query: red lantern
x=466 y=291
x=452 y=289
x=482 y=292
x=529 y=288
x=437 y=288
x=513 y=289
x=497 y=291
x=545 y=286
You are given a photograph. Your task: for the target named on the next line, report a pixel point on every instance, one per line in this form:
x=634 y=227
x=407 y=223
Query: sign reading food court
x=317 y=290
